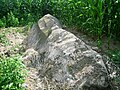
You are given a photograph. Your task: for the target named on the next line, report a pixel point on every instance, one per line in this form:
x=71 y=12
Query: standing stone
x=64 y=61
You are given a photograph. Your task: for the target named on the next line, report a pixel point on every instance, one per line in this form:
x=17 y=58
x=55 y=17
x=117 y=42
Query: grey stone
x=64 y=61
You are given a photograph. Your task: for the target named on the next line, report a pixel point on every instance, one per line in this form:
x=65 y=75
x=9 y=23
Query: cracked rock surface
x=61 y=61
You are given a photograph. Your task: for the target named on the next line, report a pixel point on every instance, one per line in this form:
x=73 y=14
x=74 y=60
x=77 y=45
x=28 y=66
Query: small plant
x=4 y=21
x=12 y=73
x=3 y=39
x=1 y=23
x=12 y=20
x=114 y=56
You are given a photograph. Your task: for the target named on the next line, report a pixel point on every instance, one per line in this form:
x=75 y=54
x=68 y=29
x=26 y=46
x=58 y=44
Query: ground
x=11 y=43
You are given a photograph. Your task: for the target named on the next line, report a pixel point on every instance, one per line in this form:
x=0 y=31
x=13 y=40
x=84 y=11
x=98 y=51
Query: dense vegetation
x=11 y=73
x=98 y=18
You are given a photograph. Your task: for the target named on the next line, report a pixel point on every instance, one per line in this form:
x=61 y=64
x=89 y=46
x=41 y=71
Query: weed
x=114 y=56
x=3 y=39
x=12 y=73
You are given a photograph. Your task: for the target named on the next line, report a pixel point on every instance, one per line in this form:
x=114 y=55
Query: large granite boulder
x=64 y=61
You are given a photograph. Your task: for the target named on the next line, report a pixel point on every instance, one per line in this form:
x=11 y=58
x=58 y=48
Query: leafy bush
x=11 y=73
x=11 y=20
x=3 y=22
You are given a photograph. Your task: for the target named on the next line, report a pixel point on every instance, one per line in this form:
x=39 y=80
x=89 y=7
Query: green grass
x=12 y=73
x=114 y=56
x=12 y=70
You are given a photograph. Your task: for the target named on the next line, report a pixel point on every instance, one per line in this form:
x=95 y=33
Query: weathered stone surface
x=64 y=61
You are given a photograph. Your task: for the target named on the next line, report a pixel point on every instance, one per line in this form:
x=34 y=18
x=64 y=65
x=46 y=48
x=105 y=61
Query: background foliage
x=96 y=17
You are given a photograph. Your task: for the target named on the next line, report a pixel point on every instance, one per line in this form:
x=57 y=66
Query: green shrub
x=11 y=73
x=4 y=21
x=27 y=20
x=1 y=23
x=12 y=20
